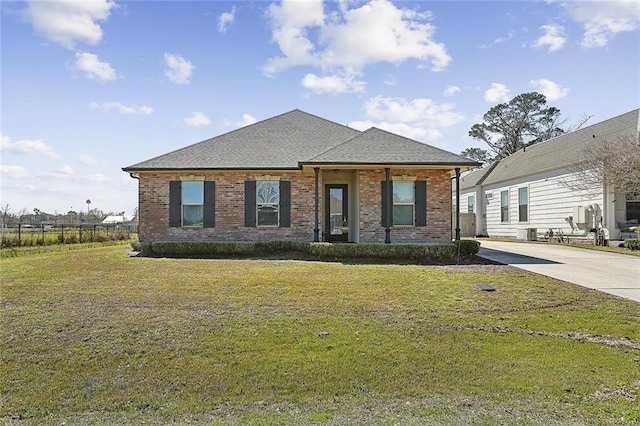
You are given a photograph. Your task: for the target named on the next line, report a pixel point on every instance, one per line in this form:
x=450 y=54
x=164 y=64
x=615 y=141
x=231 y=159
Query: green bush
x=444 y=253
x=632 y=243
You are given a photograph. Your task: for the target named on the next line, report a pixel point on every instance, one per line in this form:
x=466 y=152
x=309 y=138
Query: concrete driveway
x=611 y=273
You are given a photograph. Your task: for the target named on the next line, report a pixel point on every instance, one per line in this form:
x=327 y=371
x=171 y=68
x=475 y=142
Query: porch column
x=316 y=229
x=389 y=206
x=458 y=204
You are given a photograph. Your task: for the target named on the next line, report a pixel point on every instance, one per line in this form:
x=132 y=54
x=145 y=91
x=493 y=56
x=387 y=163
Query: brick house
x=297 y=176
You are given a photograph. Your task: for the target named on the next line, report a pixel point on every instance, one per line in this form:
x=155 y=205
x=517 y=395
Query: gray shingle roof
x=562 y=151
x=375 y=146
x=289 y=140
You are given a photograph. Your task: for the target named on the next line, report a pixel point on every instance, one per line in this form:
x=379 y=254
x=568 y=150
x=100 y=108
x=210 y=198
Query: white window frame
x=184 y=204
x=273 y=203
x=471 y=203
x=412 y=204
x=520 y=204
x=504 y=207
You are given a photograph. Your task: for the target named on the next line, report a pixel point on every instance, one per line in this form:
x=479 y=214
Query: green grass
x=95 y=337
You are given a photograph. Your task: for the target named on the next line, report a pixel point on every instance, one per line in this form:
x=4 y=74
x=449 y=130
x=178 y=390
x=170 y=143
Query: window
x=523 y=204
x=470 y=203
x=403 y=203
x=504 y=206
x=268 y=202
x=192 y=203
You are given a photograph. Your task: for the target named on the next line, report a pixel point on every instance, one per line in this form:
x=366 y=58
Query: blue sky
x=89 y=87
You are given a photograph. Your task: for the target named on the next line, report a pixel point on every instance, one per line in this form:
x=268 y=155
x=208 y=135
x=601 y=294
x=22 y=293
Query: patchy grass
x=94 y=336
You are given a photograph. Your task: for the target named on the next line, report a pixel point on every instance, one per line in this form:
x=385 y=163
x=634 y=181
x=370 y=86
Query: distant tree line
x=39 y=217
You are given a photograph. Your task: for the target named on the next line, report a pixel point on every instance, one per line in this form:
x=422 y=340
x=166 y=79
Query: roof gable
x=376 y=146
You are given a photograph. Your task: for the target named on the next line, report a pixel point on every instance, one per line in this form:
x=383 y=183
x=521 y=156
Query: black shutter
x=175 y=201
x=250 y=203
x=384 y=203
x=421 y=202
x=209 y=220
x=285 y=204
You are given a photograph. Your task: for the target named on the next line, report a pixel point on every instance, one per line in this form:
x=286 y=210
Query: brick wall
x=229 y=207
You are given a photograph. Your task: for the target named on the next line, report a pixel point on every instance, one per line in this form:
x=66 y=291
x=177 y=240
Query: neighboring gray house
x=524 y=195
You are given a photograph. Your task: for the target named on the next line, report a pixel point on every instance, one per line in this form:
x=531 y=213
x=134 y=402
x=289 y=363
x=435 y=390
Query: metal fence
x=25 y=234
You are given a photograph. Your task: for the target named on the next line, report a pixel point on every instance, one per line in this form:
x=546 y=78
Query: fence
x=20 y=234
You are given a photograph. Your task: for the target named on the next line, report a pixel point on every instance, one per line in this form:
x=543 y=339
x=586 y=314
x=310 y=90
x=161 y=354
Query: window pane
x=470 y=203
x=192 y=215
x=267 y=215
x=403 y=192
x=268 y=192
x=192 y=192
x=523 y=204
x=504 y=206
x=403 y=214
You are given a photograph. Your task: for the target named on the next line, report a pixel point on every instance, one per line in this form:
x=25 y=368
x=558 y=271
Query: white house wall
x=550 y=203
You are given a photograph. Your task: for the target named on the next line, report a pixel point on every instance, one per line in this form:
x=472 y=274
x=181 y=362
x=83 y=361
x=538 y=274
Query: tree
x=477 y=154
x=614 y=162
x=525 y=120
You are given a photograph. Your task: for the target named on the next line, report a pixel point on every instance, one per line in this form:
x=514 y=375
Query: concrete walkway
x=611 y=273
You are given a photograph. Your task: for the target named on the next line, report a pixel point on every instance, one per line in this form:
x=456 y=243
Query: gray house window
x=471 y=203
x=504 y=206
x=523 y=204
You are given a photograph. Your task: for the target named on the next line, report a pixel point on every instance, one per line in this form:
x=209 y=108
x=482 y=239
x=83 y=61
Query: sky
x=91 y=86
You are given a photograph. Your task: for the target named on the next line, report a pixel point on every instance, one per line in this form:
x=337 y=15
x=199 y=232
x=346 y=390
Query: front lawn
x=95 y=336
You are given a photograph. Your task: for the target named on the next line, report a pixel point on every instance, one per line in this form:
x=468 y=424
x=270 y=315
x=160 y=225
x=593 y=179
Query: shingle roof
x=476 y=177
x=562 y=151
x=375 y=146
x=289 y=140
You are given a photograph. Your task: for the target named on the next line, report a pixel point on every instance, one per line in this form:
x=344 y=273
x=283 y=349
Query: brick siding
x=229 y=208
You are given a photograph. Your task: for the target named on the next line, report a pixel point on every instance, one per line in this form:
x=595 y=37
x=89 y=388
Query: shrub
x=415 y=253
x=632 y=243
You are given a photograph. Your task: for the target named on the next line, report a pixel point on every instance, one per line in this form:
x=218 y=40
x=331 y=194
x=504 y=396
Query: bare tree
x=614 y=162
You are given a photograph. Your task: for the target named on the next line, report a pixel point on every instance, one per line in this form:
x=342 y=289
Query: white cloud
x=94 y=178
x=14 y=172
x=33 y=148
x=419 y=119
x=510 y=36
x=553 y=38
x=403 y=129
x=225 y=19
x=247 y=119
x=122 y=109
x=92 y=68
x=602 y=20
x=350 y=39
x=420 y=110
x=65 y=170
x=451 y=90
x=197 y=119
x=550 y=89
x=87 y=160
x=333 y=84
x=67 y=22
x=178 y=69
x=498 y=93
x=390 y=80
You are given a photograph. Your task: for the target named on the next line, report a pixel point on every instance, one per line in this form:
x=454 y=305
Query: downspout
x=387 y=225
x=316 y=229
x=457 y=203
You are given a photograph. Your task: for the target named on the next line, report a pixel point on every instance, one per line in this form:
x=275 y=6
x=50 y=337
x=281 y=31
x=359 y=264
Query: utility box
x=579 y=215
x=527 y=234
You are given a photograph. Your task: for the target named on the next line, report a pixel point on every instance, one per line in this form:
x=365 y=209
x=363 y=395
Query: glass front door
x=336 y=217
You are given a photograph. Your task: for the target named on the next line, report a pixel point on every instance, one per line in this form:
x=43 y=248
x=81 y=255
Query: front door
x=336 y=225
